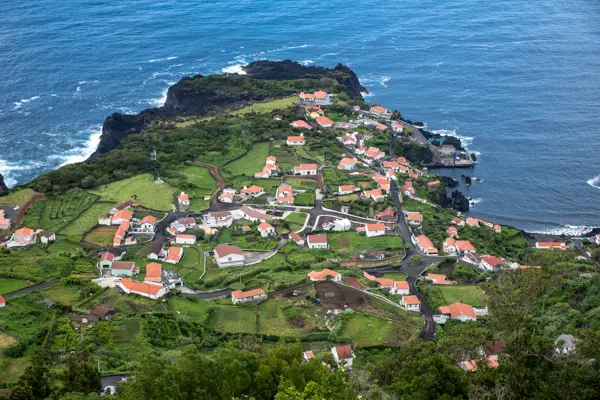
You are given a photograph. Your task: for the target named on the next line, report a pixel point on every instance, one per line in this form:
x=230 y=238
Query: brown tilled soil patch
x=353 y=282
x=339 y=297
x=6 y=340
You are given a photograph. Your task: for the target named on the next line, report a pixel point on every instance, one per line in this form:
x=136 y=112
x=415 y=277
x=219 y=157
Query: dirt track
x=214 y=171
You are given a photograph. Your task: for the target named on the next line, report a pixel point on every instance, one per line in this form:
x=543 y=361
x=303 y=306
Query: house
x=324 y=122
x=349 y=141
x=425 y=245
x=414 y=218
x=564 y=344
x=217 y=219
x=183 y=199
x=324 y=275
x=438 y=279
x=381 y=127
x=472 y=222
x=317 y=241
x=147 y=224
x=383 y=183
x=22 y=237
x=152 y=291
x=266 y=229
x=239 y=297
x=297 y=238
x=253 y=191
x=84 y=319
x=153 y=272
x=5 y=223
x=300 y=124
x=497 y=228
x=374 y=153
x=184 y=224
x=346 y=189
x=185 y=239
x=551 y=245
x=343 y=355
x=103 y=312
x=387 y=215
x=384 y=283
x=285 y=194
x=229 y=256
x=449 y=246
x=121 y=206
x=471 y=365
x=47 y=237
x=121 y=216
x=375 y=195
x=318 y=98
x=379 y=111
x=493 y=349
x=171 y=279
x=253 y=215
x=433 y=183
x=306 y=169
x=391 y=165
x=306 y=97
x=372 y=255
x=338 y=224
x=460 y=311
x=372 y=230
x=174 y=255
x=157 y=250
x=271 y=161
x=296 y=140
x=347 y=163
x=400 y=288
x=123 y=268
x=411 y=303
x=491 y=263
x=227 y=197
x=361 y=150
x=408 y=189
x=459 y=222
x=265 y=173
x=398 y=128
x=308 y=355
x=464 y=247
x=389 y=174
x=106 y=260
x=452 y=232
x=2 y=302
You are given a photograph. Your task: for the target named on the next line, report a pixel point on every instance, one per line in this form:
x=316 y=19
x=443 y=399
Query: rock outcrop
x=457 y=201
x=3 y=186
x=201 y=96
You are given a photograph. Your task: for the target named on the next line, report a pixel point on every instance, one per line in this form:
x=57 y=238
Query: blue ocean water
x=516 y=80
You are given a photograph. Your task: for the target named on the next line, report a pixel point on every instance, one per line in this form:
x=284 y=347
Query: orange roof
x=375 y=227
x=464 y=245
x=457 y=220
x=224 y=250
x=252 y=189
x=433 y=183
x=348 y=161
x=322 y=274
x=295 y=139
x=493 y=260
x=238 y=294
x=296 y=237
x=379 y=109
x=149 y=219
x=410 y=300
x=264 y=226
x=322 y=238
x=402 y=160
x=183 y=197
x=401 y=285
x=345 y=188
x=449 y=242
x=458 y=309
x=324 y=121
x=472 y=221
x=174 y=254
x=24 y=232
x=306 y=167
x=309 y=354
x=320 y=94
x=381 y=127
x=107 y=256
x=153 y=272
x=426 y=243
x=123 y=214
x=300 y=124
x=141 y=287
x=439 y=278
x=374 y=193
x=547 y=244
x=2 y=301
x=497 y=227
x=414 y=216
x=184 y=236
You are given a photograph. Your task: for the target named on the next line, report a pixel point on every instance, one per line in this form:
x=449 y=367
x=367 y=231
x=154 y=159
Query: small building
x=157 y=250
x=346 y=189
x=239 y=297
x=84 y=319
x=375 y=195
x=152 y=291
x=121 y=216
x=229 y=256
x=185 y=239
x=471 y=365
x=306 y=169
x=449 y=246
x=414 y=218
x=266 y=229
x=372 y=230
x=121 y=206
x=411 y=303
x=347 y=163
x=465 y=247
x=379 y=111
x=317 y=241
x=438 y=279
x=388 y=215
x=491 y=263
x=498 y=228
x=123 y=268
x=300 y=124
x=323 y=275
x=472 y=222
x=227 y=197
x=296 y=140
x=381 y=127
x=5 y=222
x=253 y=191
x=324 y=122
x=299 y=240
x=551 y=245
x=174 y=255
x=217 y=219
x=459 y=222
x=343 y=355
x=452 y=232
x=308 y=355
x=148 y=223
x=372 y=255
x=47 y=237
x=460 y=311
x=253 y=215
x=2 y=302
x=400 y=288
x=106 y=260
x=408 y=189
x=425 y=245
x=183 y=199
x=103 y=312
x=285 y=194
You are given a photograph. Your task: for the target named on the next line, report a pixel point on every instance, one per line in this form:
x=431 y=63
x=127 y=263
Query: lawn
x=472 y=294
x=397 y=276
x=17 y=198
x=200 y=177
x=157 y=197
x=353 y=243
x=86 y=221
x=66 y=295
x=236 y=319
x=296 y=218
x=364 y=329
x=10 y=285
x=190 y=307
x=302 y=183
x=101 y=235
x=253 y=161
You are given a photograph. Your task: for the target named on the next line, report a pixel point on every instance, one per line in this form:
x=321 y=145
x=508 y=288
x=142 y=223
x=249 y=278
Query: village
x=326 y=230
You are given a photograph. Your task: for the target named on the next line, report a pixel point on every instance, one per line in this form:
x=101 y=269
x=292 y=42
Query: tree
x=81 y=376
x=415 y=260
x=35 y=383
x=88 y=182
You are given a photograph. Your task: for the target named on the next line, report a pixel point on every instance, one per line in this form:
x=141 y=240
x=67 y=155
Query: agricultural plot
x=62 y=294
x=353 y=243
x=101 y=235
x=236 y=319
x=199 y=177
x=142 y=189
x=86 y=221
x=364 y=330
x=53 y=214
x=296 y=220
x=253 y=161
x=190 y=307
x=125 y=330
x=283 y=318
x=17 y=198
x=470 y=294
x=302 y=183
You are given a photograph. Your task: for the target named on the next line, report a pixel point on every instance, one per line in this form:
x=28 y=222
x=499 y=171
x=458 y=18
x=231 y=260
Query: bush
x=15 y=350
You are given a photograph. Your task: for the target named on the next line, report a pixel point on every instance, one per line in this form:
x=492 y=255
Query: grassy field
x=397 y=276
x=200 y=177
x=237 y=319
x=86 y=221
x=157 y=197
x=352 y=242
x=190 y=307
x=101 y=235
x=10 y=285
x=62 y=294
x=53 y=214
x=302 y=183
x=364 y=329
x=251 y=162
x=296 y=218
x=17 y=198
x=472 y=295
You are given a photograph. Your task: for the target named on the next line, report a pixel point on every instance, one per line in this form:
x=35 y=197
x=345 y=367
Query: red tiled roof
x=295 y=139
x=374 y=227
x=299 y=124
x=174 y=254
x=378 y=109
x=439 y=278
x=153 y=272
x=322 y=238
x=223 y=250
x=141 y=287
x=322 y=274
x=2 y=301
x=464 y=245
x=252 y=189
x=344 y=352
x=306 y=167
x=24 y=232
x=296 y=237
x=458 y=309
x=264 y=226
x=414 y=216
x=410 y=300
x=346 y=188
x=324 y=121
x=123 y=265
x=238 y=294
x=149 y=219
x=107 y=256
x=184 y=236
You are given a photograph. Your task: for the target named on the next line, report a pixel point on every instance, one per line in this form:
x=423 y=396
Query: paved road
x=30 y=289
x=429 y=328
x=209 y=295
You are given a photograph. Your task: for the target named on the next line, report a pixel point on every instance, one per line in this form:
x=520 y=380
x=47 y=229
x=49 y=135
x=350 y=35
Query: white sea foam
x=569 y=230
x=159 y=102
x=307 y=62
x=465 y=140
x=20 y=103
x=78 y=89
x=594 y=182
x=162 y=59
x=262 y=53
x=234 y=69
x=5 y=170
x=474 y=202
x=365 y=94
x=83 y=153
x=373 y=79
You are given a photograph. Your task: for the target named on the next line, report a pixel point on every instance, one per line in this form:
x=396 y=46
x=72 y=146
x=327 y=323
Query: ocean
x=517 y=81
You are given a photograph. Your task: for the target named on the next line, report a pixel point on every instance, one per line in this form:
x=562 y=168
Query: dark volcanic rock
x=450 y=182
x=457 y=201
x=195 y=96
x=3 y=186
x=466 y=180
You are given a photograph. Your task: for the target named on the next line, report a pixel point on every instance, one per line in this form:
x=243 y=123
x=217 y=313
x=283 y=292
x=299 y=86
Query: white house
x=229 y=256
x=317 y=241
x=217 y=219
x=460 y=311
x=266 y=229
x=347 y=163
x=156 y=250
x=341 y=224
x=152 y=291
x=21 y=238
x=343 y=355
x=123 y=268
x=185 y=239
x=47 y=237
x=306 y=169
x=174 y=255
x=253 y=191
x=147 y=224
x=239 y=297
x=106 y=260
x=381 y=112
x=324 y=122
x=326 y=274
x=2 y=302
x=425 y=245
x=183 y=199
x=296 y=140
x=491 y=263
x=372 y=230
x=449 y=245
x=227 y=197
x=411 y=303
x=414 y=218
x=551 y=245
x=346 y=189
x=400 y=288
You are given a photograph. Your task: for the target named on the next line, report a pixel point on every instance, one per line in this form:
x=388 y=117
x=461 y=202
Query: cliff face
x=200 y=96
x=3 y=186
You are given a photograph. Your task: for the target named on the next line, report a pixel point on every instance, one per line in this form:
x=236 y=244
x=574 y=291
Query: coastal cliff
x=207 y=95
x=3 y=186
